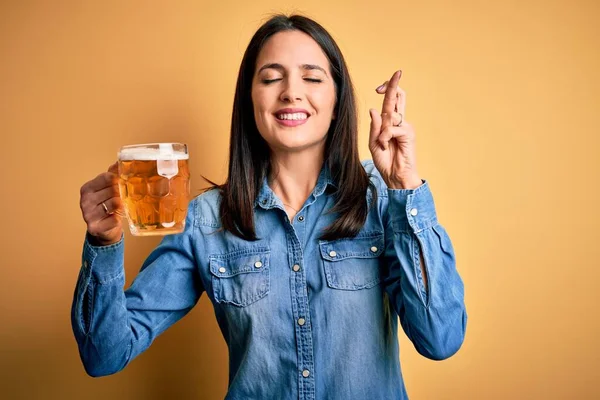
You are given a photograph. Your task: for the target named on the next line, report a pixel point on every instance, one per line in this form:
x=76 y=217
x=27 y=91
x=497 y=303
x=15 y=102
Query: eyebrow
x=280 y=67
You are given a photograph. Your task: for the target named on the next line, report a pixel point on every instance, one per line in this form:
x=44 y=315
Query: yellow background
x=504 y=96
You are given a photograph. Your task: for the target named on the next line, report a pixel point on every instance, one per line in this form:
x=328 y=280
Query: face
x=293 y=92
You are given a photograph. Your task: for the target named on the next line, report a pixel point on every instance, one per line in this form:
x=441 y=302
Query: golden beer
x=154 y=182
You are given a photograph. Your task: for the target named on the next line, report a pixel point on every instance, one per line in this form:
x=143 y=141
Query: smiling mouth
x=292 y=116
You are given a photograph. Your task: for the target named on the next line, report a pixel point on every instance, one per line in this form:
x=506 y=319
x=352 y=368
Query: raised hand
x=392 y=139
x=101 y=207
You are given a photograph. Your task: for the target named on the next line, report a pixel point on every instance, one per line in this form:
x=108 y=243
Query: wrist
x=408 y=182
x=97 y=241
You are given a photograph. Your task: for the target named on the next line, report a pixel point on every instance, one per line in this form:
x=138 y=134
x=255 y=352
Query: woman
x=307 y=255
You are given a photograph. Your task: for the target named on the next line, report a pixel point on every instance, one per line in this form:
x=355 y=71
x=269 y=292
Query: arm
x=113 y=326
x=418 y=250
x=420 y=276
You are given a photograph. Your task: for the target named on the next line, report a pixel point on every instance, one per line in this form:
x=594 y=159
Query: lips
x=292 y=116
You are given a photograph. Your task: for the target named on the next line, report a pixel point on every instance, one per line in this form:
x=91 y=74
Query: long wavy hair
x=249 y=153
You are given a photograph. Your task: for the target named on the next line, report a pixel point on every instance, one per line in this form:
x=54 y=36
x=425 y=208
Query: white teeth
x=294 y=116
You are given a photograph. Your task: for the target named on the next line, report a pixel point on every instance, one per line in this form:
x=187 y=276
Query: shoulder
x=206 y=208
x=375 y=177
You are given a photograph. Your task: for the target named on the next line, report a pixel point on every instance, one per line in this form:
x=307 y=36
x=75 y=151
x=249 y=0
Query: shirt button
x=374 y=249
x=85 y=264
x=301 y=218
x=301 y=321
x=296 y=268
x=305 y=373
x=414 y=212
x=257 y=264
x=332 y=253
x=222 y=269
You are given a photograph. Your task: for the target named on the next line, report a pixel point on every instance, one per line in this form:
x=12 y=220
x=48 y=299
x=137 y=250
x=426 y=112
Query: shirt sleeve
x=113 y=326
x=434 y=318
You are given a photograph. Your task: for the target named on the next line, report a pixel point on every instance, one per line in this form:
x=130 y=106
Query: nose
x=291 y=91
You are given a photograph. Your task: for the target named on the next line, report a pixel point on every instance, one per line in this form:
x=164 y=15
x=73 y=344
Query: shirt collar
x=267 y=199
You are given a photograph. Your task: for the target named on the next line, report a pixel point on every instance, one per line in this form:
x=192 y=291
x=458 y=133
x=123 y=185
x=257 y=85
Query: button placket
x=301 y=311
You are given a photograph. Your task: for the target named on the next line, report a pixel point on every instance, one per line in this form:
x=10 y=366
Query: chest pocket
x=241 y=277
x=353 y=264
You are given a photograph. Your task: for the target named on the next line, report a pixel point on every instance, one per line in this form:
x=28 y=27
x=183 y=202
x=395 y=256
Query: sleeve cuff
x=104 y=262
x=412 y=209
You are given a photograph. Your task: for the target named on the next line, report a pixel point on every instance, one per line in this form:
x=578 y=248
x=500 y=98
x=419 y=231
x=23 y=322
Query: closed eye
x=269 y=81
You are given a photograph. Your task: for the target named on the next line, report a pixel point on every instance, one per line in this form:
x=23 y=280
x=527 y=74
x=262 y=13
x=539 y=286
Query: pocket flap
x=231 y=264
x=369 y=245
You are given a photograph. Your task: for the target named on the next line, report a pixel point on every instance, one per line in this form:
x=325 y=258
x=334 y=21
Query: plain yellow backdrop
x=504 y=96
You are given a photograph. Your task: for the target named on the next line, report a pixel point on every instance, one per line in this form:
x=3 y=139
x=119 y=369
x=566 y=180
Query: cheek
x=259 y=103
x=325 y=101
x=257 y=107
x=260 y=109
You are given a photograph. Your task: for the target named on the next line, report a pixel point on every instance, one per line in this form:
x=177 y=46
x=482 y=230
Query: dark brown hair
x=249 y=154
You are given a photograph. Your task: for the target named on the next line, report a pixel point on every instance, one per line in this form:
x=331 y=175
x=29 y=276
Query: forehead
x=292 y=49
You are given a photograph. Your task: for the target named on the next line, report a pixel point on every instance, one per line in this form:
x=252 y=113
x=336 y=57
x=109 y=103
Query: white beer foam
x=150 y=154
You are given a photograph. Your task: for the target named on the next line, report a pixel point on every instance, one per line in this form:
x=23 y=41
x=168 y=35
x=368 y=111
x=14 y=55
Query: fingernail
x=380 y=87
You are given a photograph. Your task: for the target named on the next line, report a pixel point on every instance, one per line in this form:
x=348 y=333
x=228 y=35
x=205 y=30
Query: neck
x=294 y=176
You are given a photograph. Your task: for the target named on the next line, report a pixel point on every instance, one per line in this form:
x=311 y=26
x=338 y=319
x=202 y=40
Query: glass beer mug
x=154 y=183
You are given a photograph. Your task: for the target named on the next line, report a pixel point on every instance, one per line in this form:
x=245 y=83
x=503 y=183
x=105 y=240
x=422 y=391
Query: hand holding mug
x=101 y=205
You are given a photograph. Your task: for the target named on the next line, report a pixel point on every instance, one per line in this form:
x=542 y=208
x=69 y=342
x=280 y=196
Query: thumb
x=375 y=127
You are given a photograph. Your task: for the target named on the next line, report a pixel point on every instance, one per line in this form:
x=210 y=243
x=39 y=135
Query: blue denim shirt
x=303 y=318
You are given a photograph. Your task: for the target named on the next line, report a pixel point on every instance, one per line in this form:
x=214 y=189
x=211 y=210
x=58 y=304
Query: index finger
x=114 y=168
x=391 y=93
x=104 y=180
